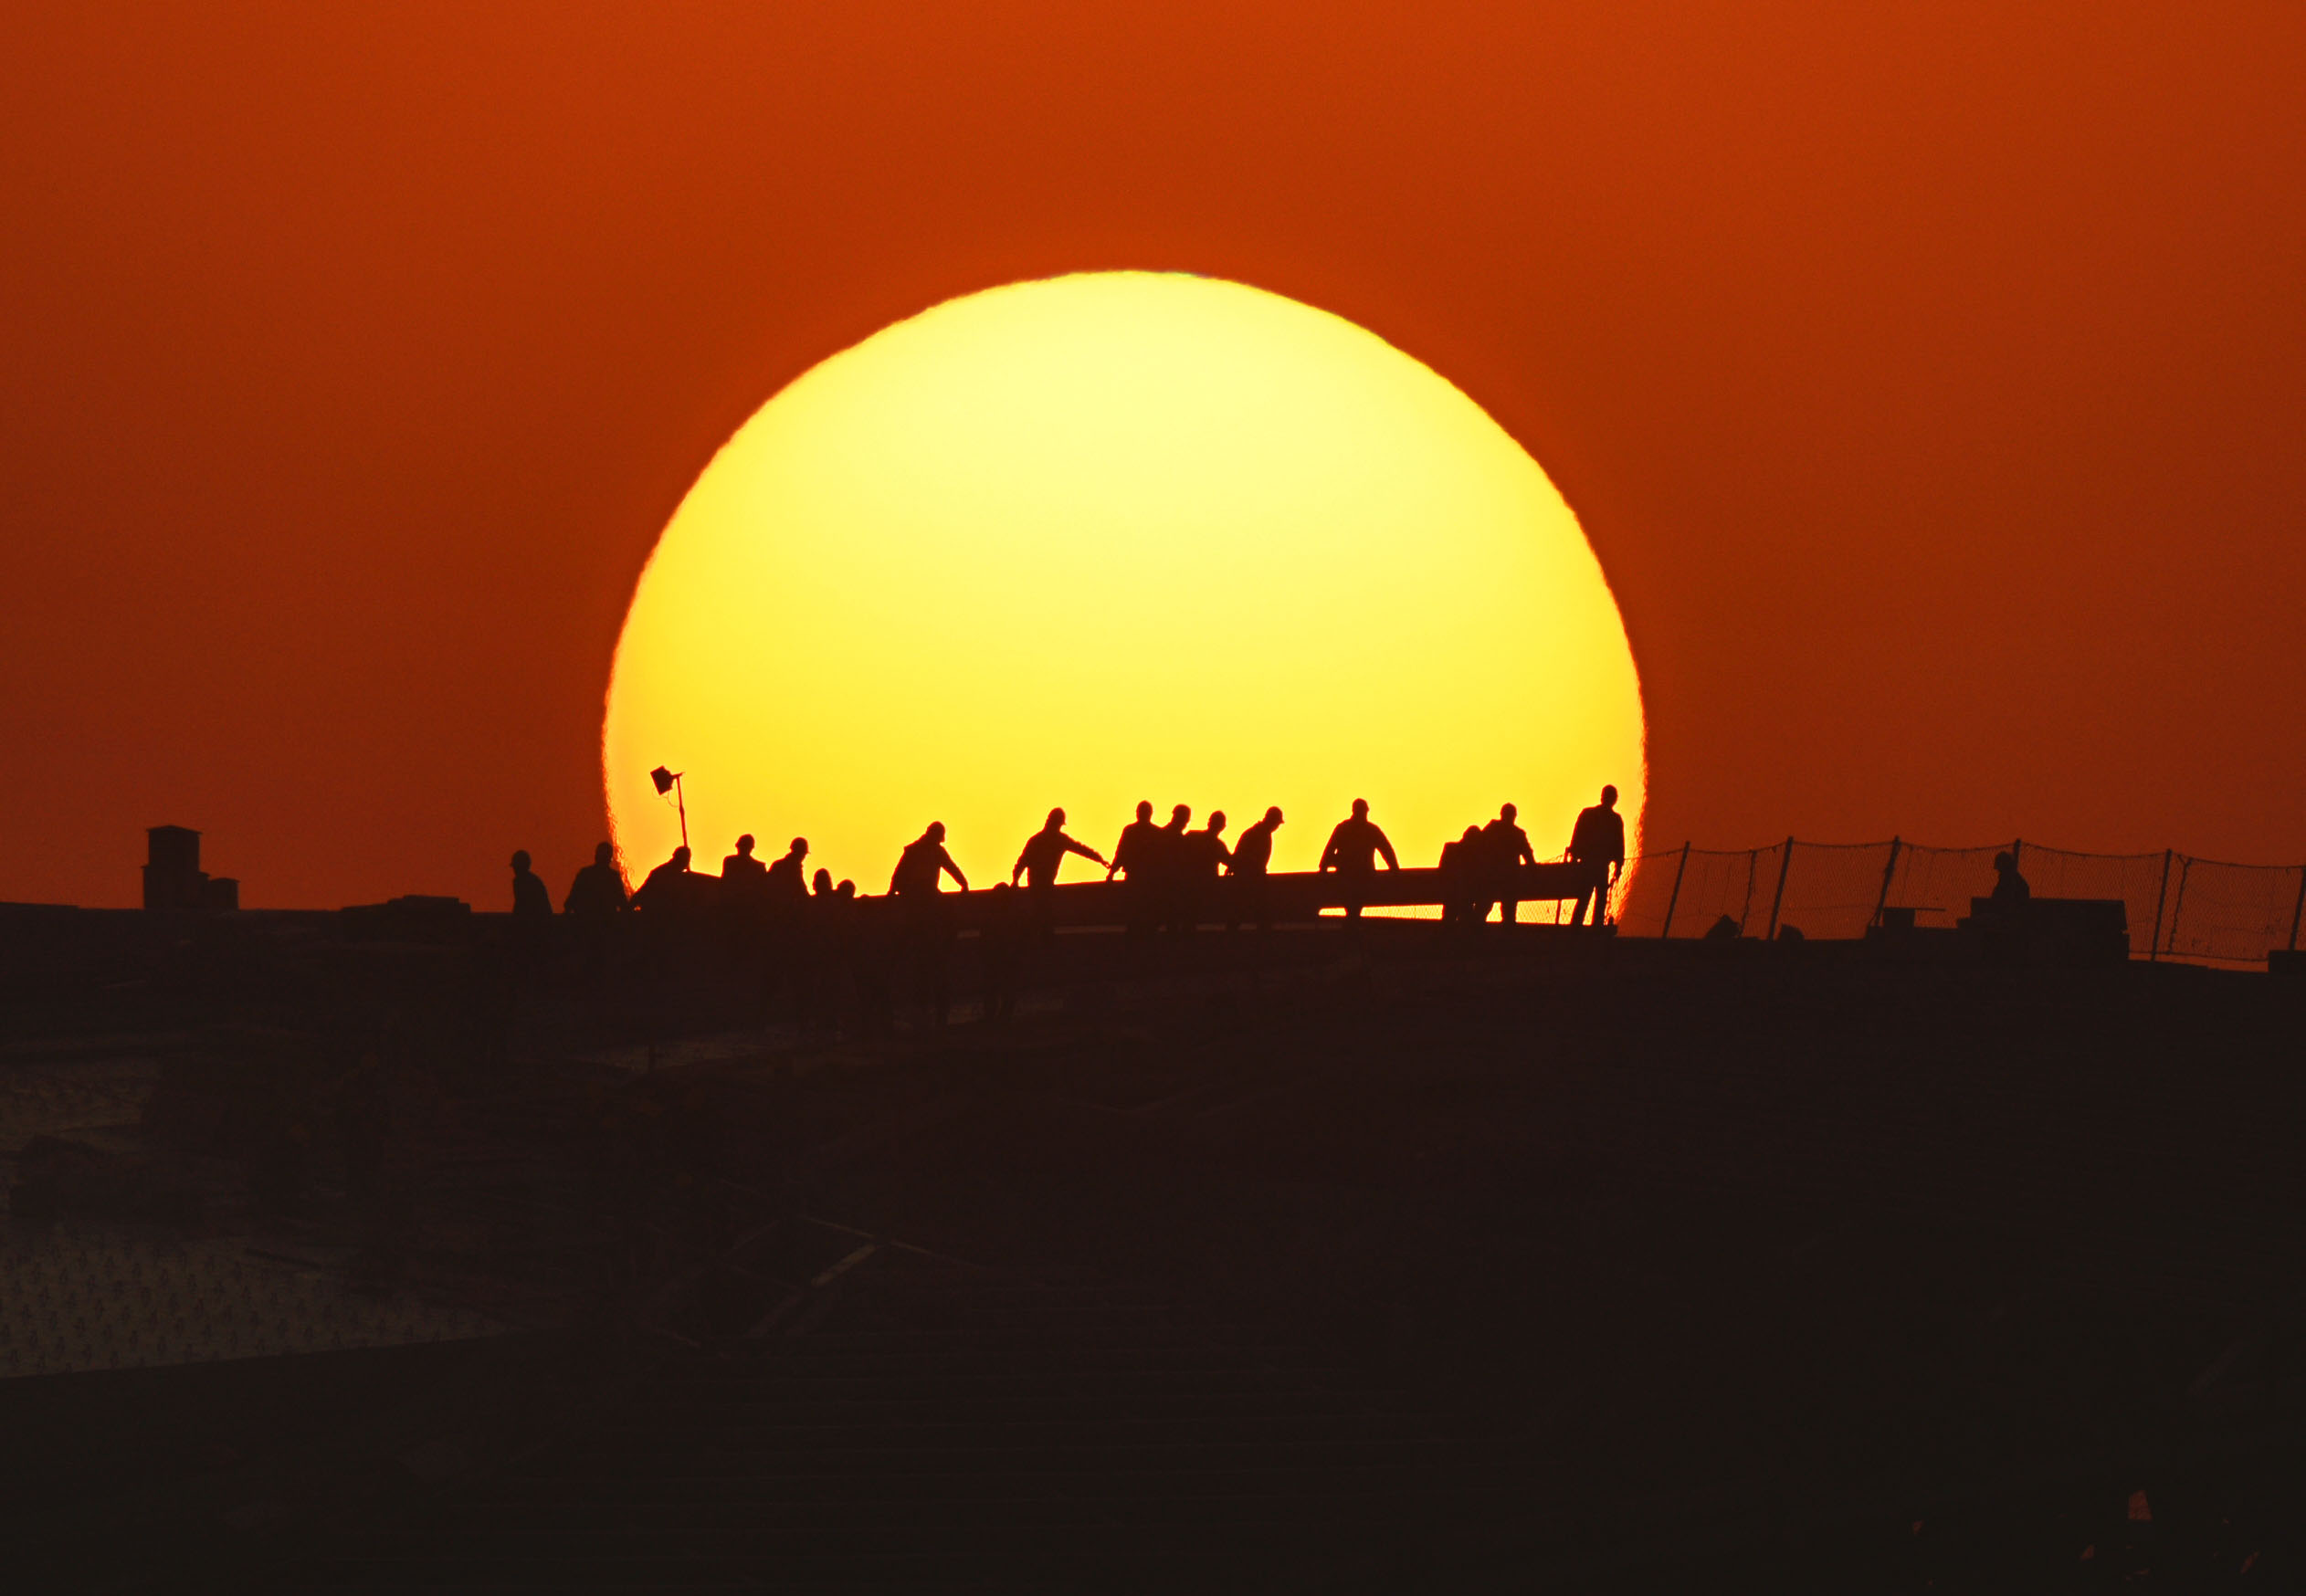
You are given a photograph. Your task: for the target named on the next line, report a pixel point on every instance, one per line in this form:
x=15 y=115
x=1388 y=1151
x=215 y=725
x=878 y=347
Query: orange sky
x=1930 y=380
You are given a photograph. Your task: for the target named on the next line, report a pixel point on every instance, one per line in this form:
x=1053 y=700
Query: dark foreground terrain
x=1320 y=1261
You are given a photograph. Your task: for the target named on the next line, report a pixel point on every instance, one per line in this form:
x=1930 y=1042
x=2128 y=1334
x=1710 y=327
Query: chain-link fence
x=2178 y=906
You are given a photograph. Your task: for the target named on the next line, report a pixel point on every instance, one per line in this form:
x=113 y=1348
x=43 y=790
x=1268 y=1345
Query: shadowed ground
x=1322 y=1261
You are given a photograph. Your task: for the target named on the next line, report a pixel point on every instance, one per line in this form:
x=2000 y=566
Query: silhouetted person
x=915 y=883
x=1252 y=861
x=1167 y=856
x=821 y=884
x=599 y=887
x=742 y=875
x=1201 y=856
x=667 y=889
x=1354 y=848
x=788 y=877
x=2011 y=894
x=1133 y=852
x=1598 y=843
x=1462 y=878
x=1504 y=846
x=1043 y=852
x=923 y=863
x=530 y=899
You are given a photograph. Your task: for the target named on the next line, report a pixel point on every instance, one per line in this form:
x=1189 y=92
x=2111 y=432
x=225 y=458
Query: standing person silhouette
x=788 y=877
x=915 y=884
x=2011 y=894
x=599 y=887
x=922 y=865
x=1252 y=860
x=1043 y=852
x=1133 y=861
x=1168 y=857
x=1598 y=843
x=531 y=899
x=1462 y=878
x=1039 y=862
x=741 y=875
x=1201 y=855
x=1353 y=849
x=1505 y=846
x=668 y=890
x=1132 y=853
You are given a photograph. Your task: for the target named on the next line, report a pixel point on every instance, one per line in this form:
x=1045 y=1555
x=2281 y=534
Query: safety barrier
x=2179 y=906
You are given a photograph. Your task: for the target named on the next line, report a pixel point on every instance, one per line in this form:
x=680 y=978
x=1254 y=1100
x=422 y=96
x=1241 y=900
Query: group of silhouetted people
x=1173 y=867
x=801 y=921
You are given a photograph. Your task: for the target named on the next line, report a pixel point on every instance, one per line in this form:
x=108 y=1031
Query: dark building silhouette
x=172 y=876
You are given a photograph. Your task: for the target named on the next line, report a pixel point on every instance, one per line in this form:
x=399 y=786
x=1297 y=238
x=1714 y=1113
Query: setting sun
x=1111 y=537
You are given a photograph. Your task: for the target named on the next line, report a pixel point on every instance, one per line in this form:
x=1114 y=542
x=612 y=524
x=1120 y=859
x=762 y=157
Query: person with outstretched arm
x=1043 y=852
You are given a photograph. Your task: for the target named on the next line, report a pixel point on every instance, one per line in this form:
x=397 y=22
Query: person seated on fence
x=1354 y=848
x=670 y=888
x=530 y=899
x=1505 y=848
x=1598 y=843
x=2011 y=894
x=1461 y=878
x=599 y=887
x=1252 y=860
x=1043 y=855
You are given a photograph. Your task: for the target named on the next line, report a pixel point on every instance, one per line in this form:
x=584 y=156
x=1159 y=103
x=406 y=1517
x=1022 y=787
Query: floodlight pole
x=681 y=803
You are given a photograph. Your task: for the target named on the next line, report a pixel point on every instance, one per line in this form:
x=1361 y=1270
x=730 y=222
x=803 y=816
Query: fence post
x=1778 y=902
x=2298 y=908
x=1887 y=870
x=2178 y=904
x=1675 y=895
x=2153 y=948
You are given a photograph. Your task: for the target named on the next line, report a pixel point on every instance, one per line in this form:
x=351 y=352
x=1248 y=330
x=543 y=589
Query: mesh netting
x=1833 y=889
x=2230 y=913
x=1938 y=884
x=2135 y=879
x=2178 y=906
x=1683 y=892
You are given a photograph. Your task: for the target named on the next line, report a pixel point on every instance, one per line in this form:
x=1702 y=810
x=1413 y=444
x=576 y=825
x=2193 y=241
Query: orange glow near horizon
x=1110 y=537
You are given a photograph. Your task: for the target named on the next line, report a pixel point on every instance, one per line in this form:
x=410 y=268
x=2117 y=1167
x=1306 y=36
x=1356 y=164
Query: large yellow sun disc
x=1110 y=537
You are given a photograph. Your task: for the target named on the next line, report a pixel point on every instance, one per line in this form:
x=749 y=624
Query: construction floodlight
x=668 y=781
